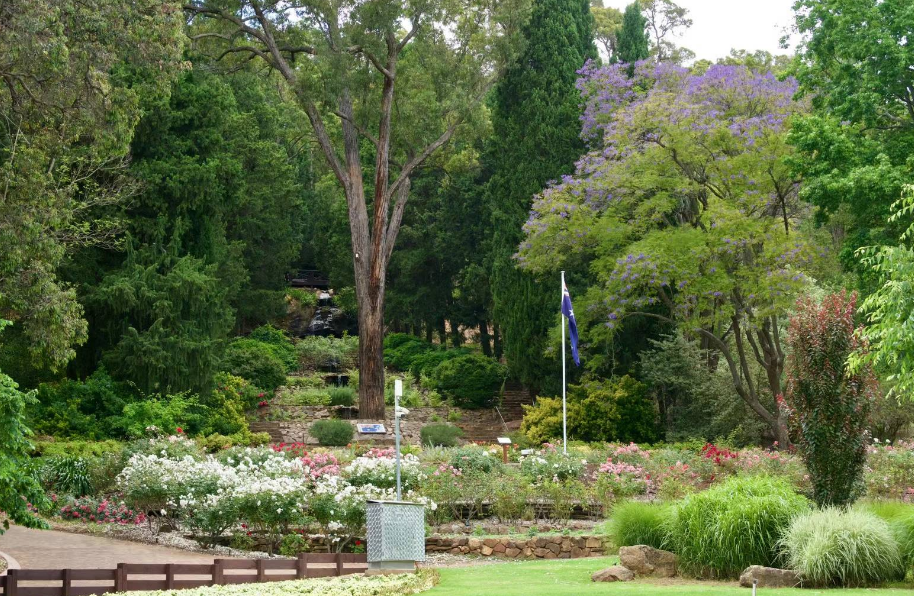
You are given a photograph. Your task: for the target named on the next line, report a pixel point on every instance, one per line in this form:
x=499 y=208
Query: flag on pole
x=568 y=311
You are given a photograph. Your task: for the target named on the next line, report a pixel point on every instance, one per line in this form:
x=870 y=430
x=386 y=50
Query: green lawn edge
x=572 y=578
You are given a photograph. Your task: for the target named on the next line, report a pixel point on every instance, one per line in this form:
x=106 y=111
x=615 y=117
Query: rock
x=556 y=548
x=486 y=550
x=616 y=573
x=542 y=552
x=490 y=542
x=578 y=552
x=593 y=543
x=646 y=560
x=769 y=577
x=500 y=548
x=566 y=546
x=512 y=552
x=474 y=543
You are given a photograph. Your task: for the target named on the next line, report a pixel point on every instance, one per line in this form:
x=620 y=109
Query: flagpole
x=564 y=407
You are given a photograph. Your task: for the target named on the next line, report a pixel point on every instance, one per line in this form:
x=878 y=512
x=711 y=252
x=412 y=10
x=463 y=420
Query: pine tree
x=535 y=119
x=632 y=43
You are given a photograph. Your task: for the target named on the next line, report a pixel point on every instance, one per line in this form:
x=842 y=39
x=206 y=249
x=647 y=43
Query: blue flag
x=568 y=311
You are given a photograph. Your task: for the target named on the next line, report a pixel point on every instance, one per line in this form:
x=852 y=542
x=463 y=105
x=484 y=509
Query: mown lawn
x=572 y=578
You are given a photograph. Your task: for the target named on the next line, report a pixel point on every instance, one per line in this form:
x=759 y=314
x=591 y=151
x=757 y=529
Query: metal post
x=754 y=586
x=564 y=406
x=398 y=391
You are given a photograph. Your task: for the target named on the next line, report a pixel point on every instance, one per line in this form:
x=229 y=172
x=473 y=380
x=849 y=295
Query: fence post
x=301 y=570
x=218 y=573
x=169 y=576
x=120 y=579
x=339 y=564
x=12 y=581
x=67 y=582
x=260 y=572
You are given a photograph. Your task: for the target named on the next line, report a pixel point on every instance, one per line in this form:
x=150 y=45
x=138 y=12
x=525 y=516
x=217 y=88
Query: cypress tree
x=632 y=42
x=536 y=126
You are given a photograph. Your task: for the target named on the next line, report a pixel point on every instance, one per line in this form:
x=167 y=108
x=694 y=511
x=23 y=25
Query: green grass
x=572 y=578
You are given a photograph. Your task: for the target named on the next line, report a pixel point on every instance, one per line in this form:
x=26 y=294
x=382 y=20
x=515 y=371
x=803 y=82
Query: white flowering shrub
x=377 y=468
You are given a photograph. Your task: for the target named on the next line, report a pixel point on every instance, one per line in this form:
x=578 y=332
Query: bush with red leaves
x=828 y=407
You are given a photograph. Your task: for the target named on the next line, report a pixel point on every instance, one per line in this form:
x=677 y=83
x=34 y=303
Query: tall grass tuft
x=635 y=522
x=842 y=547
x=903 y=529
x=723 y=530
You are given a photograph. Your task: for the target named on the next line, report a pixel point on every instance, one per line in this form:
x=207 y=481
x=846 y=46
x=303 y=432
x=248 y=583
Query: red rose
x=179 y=430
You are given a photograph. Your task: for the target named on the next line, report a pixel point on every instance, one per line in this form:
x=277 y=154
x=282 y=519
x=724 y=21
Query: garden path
x=49 y=549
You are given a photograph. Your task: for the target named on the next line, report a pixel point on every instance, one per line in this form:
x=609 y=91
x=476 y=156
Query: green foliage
x=292 y=545
x=332 y=433
x=614 y=410
x=167 y=414
x=829 y=408
x=77 y=448
x=891 y=301
x=635 y=522
x=342 y=396
x=81 y=409
x=632 y=42
x=401 y=349
x=470 y=381
x=67 y=475
x=474 y=459
x=255 y=361
x=63 y=147
x=316 y=352
x=440 y=435
x=166 y=317
x=305 y=298
x=854 y=151
x=282 y=345
x=842 y=547
x=734 y=524
x=18 y=487
x=535 y=138
x=306 y=397
x=903 y=530
x=696 y=399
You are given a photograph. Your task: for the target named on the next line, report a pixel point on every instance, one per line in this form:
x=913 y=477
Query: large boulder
x=769 y=577
x=647 y=560
x=616 y=573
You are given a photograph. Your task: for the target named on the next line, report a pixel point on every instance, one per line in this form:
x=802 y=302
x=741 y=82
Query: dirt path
x=48 y=549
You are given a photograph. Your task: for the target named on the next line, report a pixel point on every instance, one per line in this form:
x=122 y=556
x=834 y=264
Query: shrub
x=721 y=531
x=282 y=345
x=256 y=361
x=476 y=459
x=902 y=526
x=67 y=475
x=635 y=522
x=332 y=433
x=168 y=414
x=307 y=397
x=77 y=448
x=425 y=362
x=842 y=547
x=401 y=350
x=81 y=409
x=317 y=352
x=470 y=381
x=549 y=465
x=828 y=408
x=617 y=409
x=440 y=435
x=304 y=298
x=342 y=396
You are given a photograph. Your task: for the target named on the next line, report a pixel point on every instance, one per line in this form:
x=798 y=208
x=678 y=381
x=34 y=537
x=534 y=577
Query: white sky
x=720 y=25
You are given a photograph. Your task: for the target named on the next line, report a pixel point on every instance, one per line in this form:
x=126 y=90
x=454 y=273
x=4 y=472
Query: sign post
x=398 y=393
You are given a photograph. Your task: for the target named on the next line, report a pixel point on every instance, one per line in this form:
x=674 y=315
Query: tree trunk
x=484 y=339
x=371 y=361
x=496 y=342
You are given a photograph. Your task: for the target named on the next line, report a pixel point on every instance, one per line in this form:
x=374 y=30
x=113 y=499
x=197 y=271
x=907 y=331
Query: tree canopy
x=687 y=211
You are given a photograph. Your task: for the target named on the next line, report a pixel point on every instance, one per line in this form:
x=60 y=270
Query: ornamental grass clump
x=721 y=531
x=636 y=522
x=842 y=547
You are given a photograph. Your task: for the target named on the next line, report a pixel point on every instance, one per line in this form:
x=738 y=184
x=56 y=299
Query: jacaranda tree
x=829 y=407
x=686 y=211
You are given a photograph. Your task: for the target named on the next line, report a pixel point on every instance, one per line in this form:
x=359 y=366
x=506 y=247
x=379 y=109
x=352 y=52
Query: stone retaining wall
x=544 y=547
x=296 y=430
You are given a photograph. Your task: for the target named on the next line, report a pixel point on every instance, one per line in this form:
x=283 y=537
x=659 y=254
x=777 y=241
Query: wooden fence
x=175 y=576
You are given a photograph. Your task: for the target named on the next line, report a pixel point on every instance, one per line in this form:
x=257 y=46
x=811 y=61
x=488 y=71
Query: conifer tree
x=536 y=125
x=632 y=43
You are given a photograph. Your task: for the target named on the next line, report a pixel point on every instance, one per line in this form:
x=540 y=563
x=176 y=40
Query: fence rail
x=174 y=576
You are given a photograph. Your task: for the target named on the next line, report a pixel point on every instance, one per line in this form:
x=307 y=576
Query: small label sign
x=371 y=429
